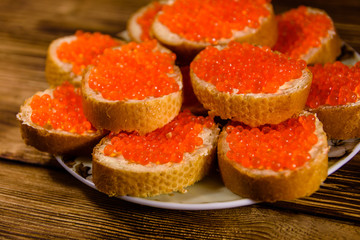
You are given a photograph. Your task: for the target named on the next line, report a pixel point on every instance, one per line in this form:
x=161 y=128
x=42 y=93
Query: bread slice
x=57 y=71
x=254 y=109
x=55 y=141
x=270 y=186
x=340 y=122
x=334 y=99
x=116 y=176
x=186 y=50
x=130 y=115
x=134 y=28
x=330 y=46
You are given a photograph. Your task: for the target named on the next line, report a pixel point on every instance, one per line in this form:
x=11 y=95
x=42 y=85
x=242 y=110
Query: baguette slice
x=254 y=109
x=270 y=186
x=330 y=46
x=341 y=121
x=116 y=176
x=130 y=115
x=57 y=71
x=186 y=50
x=55 y=141
x=138 y=32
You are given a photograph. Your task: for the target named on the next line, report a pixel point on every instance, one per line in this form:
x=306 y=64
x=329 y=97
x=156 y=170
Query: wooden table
x=38 y=199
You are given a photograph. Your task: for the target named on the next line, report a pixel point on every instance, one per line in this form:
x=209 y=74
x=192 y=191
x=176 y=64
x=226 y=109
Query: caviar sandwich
x=126 y=91
x=53 y=121
x=68 y=57
x=163 y=161
x=334 y=97
x=309 y=34
x=274 y=162
x=187 y=26
x=250 y=84
x=139 y=24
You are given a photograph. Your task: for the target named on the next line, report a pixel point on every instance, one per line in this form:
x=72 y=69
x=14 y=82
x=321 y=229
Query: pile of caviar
x=134 y=71
x=300 y=30
x=84 y=50
x=167 y=144
x=62 y=111
x=334 y=84
x=275 y=147
x=244 y=68
x=146 y=20
x=211 y=20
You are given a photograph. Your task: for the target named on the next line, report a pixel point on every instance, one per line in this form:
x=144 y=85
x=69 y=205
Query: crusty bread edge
x=142 y=116
x=265 y=35
x=340 y=122
x=270 y=186
x=117 y=177
x=54 y=141
x=245 y=108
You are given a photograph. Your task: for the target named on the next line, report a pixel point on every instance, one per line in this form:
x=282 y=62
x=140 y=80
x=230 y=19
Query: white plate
x=210 y=193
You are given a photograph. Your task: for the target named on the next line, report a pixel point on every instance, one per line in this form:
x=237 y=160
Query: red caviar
x=146 y=20
x=134 y=71
x=244 y=68
x=63 y=110
x=275 y=147
x=300 y=30
x=334 y=84
x=166 y=144
x=211 y=20
x=83 y=51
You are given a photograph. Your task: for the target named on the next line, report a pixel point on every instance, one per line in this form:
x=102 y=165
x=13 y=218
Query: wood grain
x=51 y=204
x=46 y=202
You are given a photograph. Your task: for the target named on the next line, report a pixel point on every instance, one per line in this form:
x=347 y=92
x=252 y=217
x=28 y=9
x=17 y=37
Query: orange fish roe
x=84 y=50
x=300 y=30
x=147 y=18
x=62 y=111
x=211 y=20
x=244 y=68
x=134 y=71
x=276 y=147
x=166 y=144
x=334 y=84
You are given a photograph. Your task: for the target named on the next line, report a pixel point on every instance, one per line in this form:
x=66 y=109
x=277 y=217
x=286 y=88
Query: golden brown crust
x=340 y=122
x=56 y=71
x=265 y=35
x=55 y=141
x=119 y=178
x=134 y=30
x=254 y=109
x=142 y=116
x=270 y=186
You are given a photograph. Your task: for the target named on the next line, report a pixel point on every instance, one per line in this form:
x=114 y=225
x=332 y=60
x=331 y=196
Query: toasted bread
x=117 y=176
x=55 y=141
x=186 y=50
x=269 y=185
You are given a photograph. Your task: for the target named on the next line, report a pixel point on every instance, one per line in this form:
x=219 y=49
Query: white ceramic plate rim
x=200 y=206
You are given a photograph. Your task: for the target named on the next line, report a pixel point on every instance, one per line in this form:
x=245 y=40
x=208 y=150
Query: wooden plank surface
x=51 y=204
x=43 y=201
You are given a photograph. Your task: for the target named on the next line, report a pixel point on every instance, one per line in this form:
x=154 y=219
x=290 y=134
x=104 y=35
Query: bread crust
x=330 y=46
x=186 y=50
x=54 y=141
x=254 y=109
x=340 y=122
x=56 y=71
x=271 y=186
x=142 y=116
x=115 y=176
